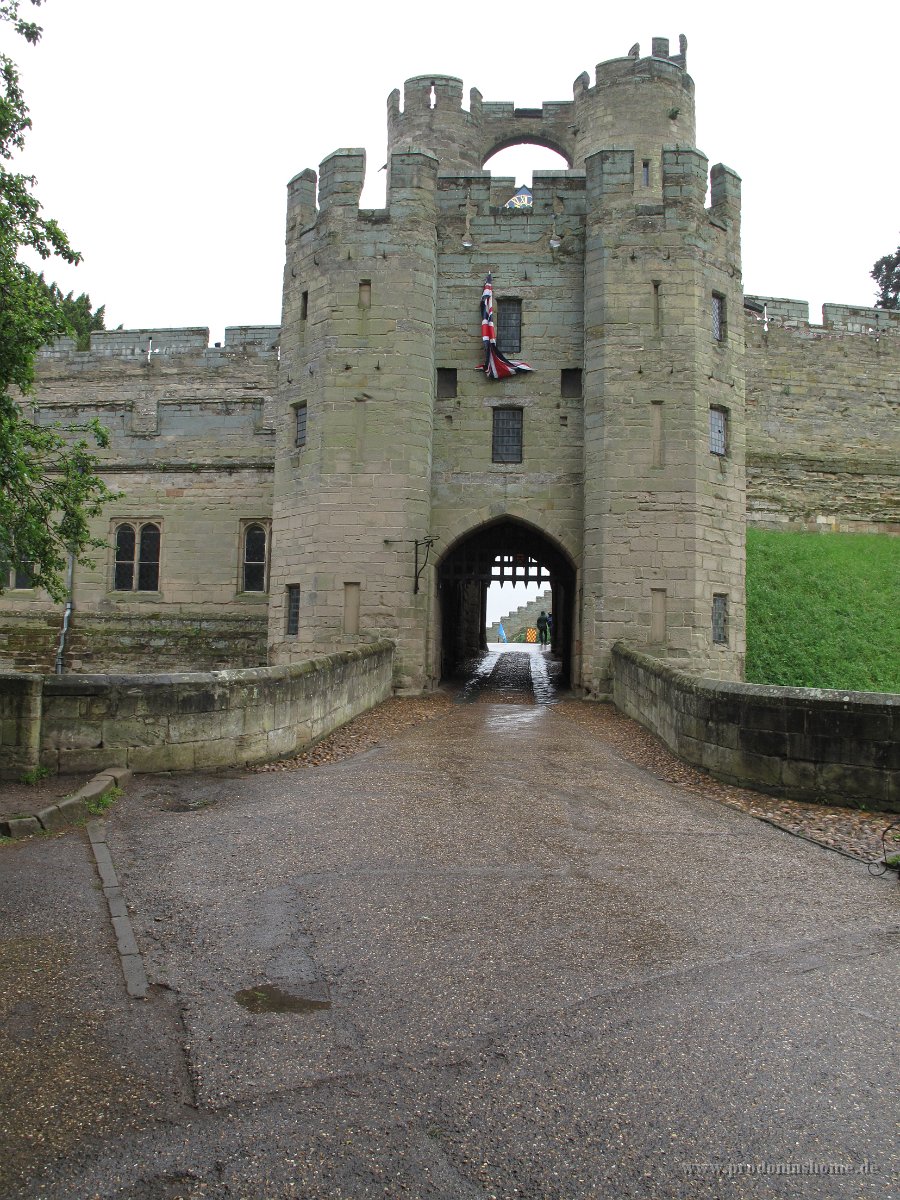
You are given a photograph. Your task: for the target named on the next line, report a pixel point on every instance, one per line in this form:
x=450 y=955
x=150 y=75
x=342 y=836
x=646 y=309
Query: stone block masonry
x=192 y=451
x=807 y=744
x=519 y=619
x=823 y=437
x=182 y=722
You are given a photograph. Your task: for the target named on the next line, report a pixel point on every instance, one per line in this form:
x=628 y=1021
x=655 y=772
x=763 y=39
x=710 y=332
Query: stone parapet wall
x=182 y=722
x=807 y=744
x=20 y=723
x=149 y=342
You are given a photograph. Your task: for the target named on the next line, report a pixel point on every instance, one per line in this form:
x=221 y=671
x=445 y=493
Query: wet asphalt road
x=531 y=968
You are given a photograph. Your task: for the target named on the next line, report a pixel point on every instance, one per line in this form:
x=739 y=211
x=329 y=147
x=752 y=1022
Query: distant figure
x=543 y=628
x=501 y=633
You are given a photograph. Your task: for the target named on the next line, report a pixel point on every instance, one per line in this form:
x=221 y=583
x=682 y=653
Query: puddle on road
x=183 y=805
x=267 y=998
x=513 y=718
x=544 y=674
x=481 y=672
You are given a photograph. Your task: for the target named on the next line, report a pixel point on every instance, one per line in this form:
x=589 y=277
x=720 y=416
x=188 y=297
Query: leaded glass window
x=255 y=558
x=506 y=445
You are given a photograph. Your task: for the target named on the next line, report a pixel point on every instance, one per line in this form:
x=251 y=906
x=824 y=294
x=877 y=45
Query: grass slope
x=823 y=611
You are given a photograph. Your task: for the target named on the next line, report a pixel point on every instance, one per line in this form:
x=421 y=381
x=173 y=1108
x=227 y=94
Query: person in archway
x=543 y=628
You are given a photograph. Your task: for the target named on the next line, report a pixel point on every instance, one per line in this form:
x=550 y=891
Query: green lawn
x=823 y=610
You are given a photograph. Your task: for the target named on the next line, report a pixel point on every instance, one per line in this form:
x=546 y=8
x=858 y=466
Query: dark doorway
x=505 y=550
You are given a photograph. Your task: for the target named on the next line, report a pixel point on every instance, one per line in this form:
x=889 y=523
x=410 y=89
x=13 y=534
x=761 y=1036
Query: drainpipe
x=67 y=614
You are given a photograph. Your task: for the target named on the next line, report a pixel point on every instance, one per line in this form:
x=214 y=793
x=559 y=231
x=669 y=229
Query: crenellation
x=341 y=179
x=334 y=435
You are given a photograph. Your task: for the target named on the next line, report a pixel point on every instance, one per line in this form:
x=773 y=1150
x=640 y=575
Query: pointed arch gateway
x=504 y=550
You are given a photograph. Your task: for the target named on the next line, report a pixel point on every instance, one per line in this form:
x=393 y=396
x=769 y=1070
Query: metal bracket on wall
x=427 y=542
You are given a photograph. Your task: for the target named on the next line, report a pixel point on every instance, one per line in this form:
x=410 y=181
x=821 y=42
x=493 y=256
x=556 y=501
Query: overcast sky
x=164 y=134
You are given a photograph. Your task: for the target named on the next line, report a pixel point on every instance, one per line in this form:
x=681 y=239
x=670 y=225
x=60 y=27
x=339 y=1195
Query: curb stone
x=67 y=811
x=126 y=944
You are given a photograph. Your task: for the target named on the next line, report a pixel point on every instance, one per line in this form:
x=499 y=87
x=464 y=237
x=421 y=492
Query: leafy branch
x=49 y=489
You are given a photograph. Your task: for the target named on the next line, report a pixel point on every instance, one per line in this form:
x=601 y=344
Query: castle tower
x=352 y=473
x=629 y=480
x=643 y=103
x=663 y=563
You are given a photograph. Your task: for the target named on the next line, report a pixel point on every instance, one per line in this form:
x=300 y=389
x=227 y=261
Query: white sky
x=165 y=133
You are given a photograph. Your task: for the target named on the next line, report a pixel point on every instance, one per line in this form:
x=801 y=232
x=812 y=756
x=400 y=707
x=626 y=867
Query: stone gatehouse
x=353 y=475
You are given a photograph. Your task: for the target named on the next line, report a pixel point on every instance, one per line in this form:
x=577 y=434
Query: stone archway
x=516 y=141
x=506 y=549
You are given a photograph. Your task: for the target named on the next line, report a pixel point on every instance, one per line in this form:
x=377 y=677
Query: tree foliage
x=886 y=274
x=49 y=488
x=81 y=320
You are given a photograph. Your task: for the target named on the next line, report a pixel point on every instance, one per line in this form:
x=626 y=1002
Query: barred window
x=137 y=557
x=718 y=431
x=254 y=554
x=292 y=621
x=506 y=444
x=718 y=317
x=720 y=620
x=300 y=425
x=509 y=326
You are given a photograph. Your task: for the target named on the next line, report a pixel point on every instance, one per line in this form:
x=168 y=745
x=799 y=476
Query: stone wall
x=823 y=447
x=522 y=618
x=20 y=723
x=191 y=449
x=133 y=642
x=180 y=722
x=808 y=744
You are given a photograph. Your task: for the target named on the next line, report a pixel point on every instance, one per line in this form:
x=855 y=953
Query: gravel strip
x=849 y=830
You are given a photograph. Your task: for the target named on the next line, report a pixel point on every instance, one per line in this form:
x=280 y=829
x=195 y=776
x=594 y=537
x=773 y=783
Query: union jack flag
x=496 y=365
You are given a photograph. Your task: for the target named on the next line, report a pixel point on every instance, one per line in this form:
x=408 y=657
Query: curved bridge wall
x=808 y=744
x=183 y=722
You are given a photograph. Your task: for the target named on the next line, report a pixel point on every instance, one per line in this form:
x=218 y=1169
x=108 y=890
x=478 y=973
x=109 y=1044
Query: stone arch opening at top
x=544 y=154
x=519 y=160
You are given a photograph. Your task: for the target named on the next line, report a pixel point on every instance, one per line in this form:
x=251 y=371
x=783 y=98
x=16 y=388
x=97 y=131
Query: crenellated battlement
x=838 y=318
x=647 y=102
x=676 y=182
x=147 y=343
